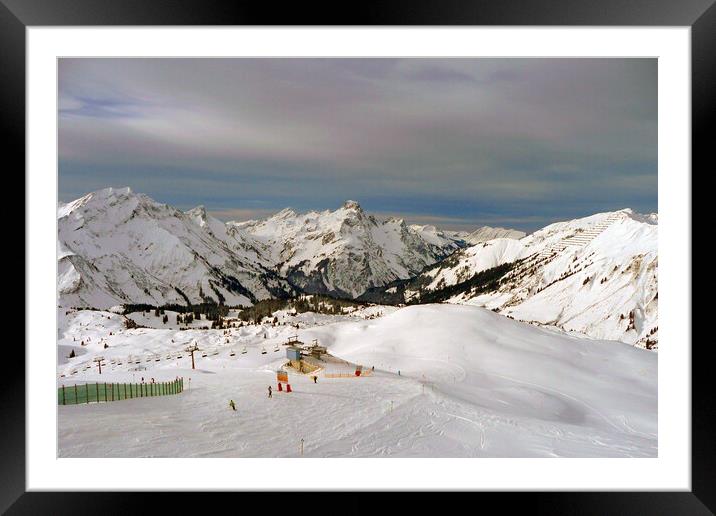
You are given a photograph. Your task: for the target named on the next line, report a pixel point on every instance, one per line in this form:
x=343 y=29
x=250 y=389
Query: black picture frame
x=700 y=15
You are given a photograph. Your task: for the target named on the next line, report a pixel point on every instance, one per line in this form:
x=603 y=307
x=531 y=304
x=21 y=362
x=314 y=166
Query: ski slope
x=450 y=381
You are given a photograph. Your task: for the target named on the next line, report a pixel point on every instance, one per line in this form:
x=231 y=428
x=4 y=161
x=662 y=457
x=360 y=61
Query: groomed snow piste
x=472 y=384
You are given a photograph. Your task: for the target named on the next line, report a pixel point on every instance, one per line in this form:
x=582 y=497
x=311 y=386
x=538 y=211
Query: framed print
x=440 y=249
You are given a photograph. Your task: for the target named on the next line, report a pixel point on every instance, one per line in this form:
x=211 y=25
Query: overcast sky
x=455 y=142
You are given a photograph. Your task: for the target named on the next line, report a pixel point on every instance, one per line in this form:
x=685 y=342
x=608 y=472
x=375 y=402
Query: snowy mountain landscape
x=344 y=257
x=596 y=275
x=511 y=344
x=115 y=247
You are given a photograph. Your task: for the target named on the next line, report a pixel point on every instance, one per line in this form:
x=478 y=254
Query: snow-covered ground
x=450 y=381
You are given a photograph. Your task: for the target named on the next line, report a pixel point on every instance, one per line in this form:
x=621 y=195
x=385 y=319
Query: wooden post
x=97 y=390
x=63 y=395
x=76 y=400
x=125 y=391
x=111 y=390
x=191 y=351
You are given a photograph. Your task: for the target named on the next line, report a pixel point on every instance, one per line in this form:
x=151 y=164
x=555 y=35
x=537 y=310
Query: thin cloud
x=313 y=132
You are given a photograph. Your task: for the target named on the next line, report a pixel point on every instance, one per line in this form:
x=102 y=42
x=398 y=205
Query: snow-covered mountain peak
x=122 y=247
x=352 y=205
x=198 y=214
x=647 y=218
x=396 y=221
x=285 y=213
x=346 y=251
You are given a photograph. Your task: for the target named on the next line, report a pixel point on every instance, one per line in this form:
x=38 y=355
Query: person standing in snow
x=232 y=405
x=315 y=379
x=269 y=389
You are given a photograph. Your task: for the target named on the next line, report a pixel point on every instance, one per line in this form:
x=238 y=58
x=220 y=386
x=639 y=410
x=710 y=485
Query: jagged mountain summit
x=596 y=275
x=119 y=247
x=346 y=251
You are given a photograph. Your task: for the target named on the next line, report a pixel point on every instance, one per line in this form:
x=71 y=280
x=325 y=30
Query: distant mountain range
x=596 y=275
x=116 y=246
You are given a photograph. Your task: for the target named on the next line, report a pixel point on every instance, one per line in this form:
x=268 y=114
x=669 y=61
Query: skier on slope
x=269 y=391
x=232 y=405
x=315 y=379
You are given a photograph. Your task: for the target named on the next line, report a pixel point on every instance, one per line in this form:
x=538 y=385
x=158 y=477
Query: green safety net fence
x=101 y=392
